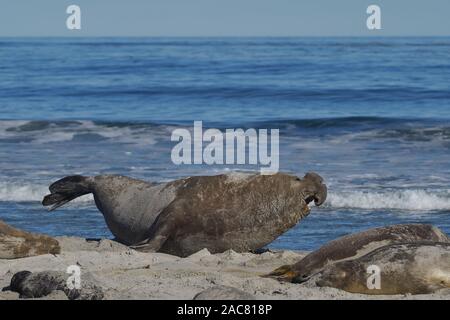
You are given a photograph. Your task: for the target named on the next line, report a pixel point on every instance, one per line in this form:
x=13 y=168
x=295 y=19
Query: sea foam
x=16 y=192
x=400 y=199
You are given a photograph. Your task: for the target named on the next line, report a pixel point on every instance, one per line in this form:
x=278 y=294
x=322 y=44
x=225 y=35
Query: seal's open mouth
x=310 y=199
x=316 y=200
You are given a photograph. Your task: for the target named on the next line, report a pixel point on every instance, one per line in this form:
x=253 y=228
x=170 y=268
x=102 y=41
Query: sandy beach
x=123 y=273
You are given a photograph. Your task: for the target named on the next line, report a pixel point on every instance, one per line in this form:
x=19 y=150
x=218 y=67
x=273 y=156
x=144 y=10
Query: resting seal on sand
x=41 y=284
x=355 y=245
x=16 y=243
x=236 y=211
x=416 y=268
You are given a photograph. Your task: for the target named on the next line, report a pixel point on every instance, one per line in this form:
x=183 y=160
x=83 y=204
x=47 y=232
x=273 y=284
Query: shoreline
x=123 y=273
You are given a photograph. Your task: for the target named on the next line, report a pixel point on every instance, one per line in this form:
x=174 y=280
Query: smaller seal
x=15 y=243
x=41 y=284
x=415 y=268
x=356 y=245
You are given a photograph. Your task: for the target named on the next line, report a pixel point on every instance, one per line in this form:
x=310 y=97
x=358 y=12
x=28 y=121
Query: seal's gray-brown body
x=237 y=211
x=356 y=245
x=41 y=284
x=415 y=268
x=15 y=243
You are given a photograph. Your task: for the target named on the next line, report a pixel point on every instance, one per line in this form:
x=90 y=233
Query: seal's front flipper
x=162 y=229
x=150 y=245
x=158 y=234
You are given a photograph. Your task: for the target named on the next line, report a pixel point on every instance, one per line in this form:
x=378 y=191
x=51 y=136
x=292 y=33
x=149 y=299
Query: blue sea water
x=371 y=115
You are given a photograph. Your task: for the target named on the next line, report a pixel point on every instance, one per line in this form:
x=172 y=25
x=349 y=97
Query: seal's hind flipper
x=283 y=273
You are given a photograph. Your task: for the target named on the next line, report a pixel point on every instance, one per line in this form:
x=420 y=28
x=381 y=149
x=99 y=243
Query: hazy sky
x=224 y=17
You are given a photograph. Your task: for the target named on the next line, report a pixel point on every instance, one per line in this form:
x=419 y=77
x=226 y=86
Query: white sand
x=127 y=274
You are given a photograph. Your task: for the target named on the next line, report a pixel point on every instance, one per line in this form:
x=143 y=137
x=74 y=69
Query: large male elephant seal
x=355 y=245
x=236 y=211
x=416 y=268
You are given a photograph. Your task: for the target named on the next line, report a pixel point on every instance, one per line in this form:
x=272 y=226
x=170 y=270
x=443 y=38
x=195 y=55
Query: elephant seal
x=356 y=245
x=415 y=268
x=242 y=212
x=15 y=243
x=41 y=284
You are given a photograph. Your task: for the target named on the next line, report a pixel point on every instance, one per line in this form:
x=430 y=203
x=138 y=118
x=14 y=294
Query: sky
x=225 y=18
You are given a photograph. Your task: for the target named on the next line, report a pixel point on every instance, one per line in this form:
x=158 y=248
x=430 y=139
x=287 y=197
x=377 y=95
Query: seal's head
x=18 y=279
x=345 y=275
x=314 y=188
x=333 y=277
x=300 y=277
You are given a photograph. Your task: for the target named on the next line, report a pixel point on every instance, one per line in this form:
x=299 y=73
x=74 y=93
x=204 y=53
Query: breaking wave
x=16 y=192
x=150 y=133
x=41 y=132
x=417 y=200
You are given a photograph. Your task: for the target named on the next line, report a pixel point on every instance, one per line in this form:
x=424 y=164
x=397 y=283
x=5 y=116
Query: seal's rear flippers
x=65 y=190
x=283 y=273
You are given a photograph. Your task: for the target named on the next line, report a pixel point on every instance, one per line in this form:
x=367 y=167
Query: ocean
x=370 y=115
